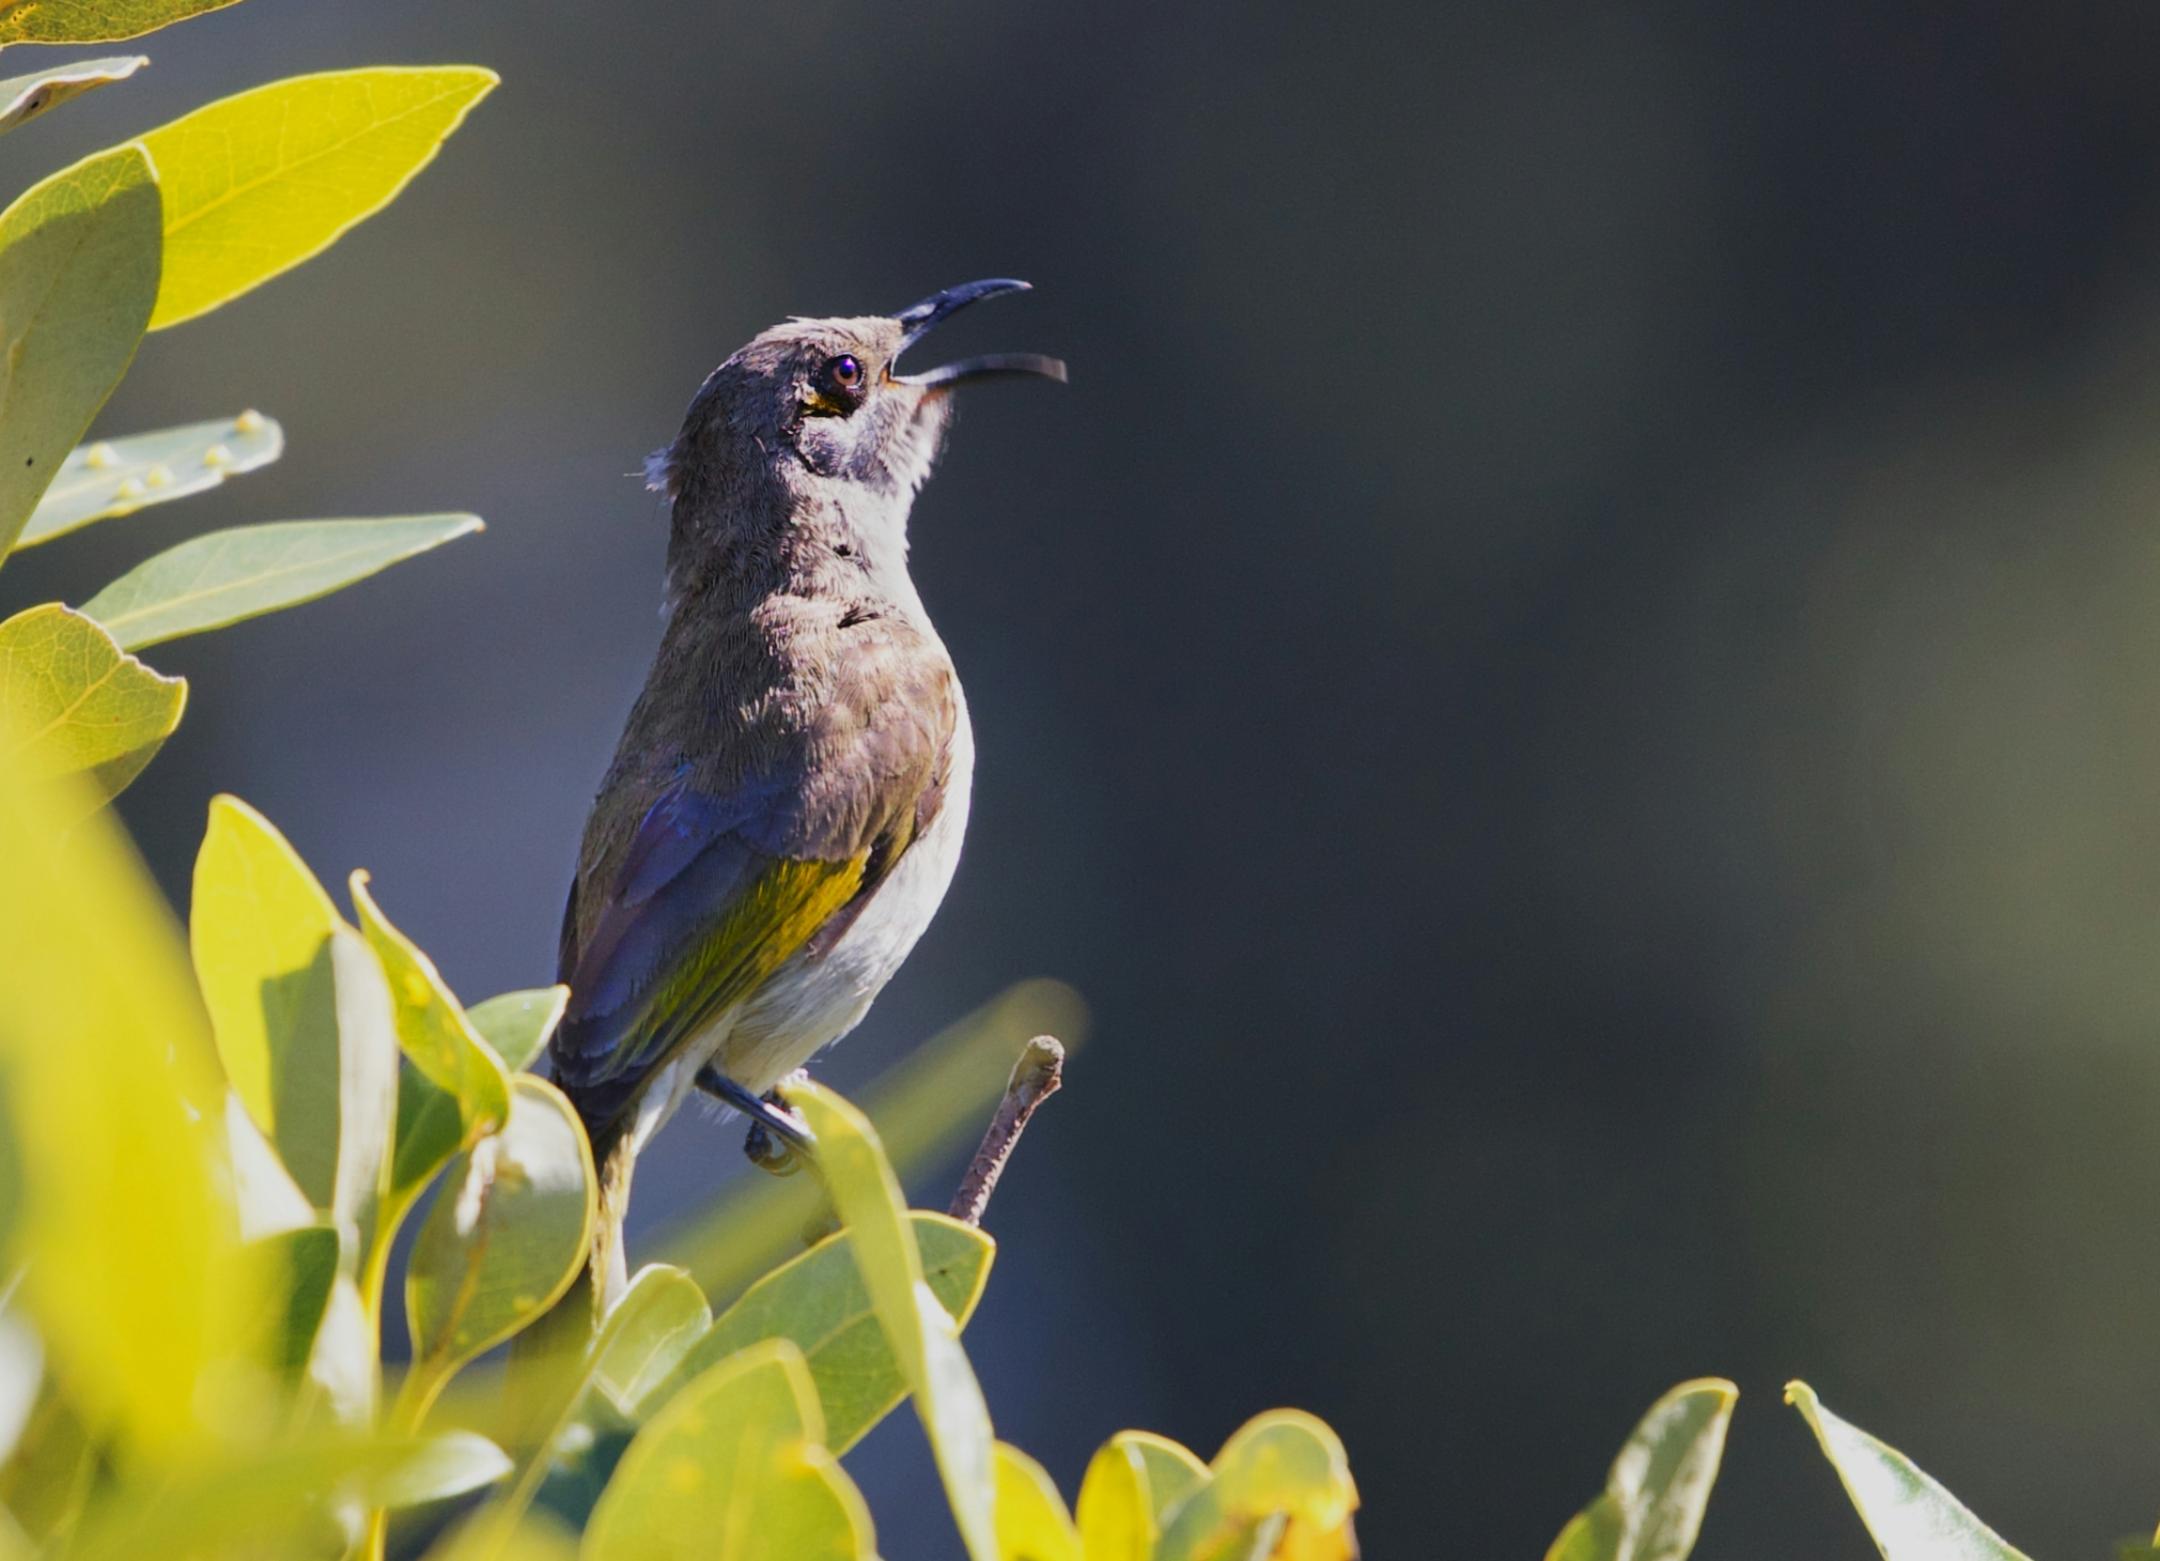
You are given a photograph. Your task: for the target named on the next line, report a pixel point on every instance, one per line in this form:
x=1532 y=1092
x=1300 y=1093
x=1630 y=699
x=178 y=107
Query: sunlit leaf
x=1032 y=1523
x=113 y=477
x=506 y=1238
x=256 y=183
x=733 y=1470
x=93 y=21
x=224 y=577
x=262 y=932
x=74 y=703
x=302 y=1264
x=446 y=1465
x=269 y=1201
x=1652 y=1506
x=78 y=273
x=22 y=1373
x=431 y=1126
x=131 y=1266
x=344 y=1381
x=819 y=1301
x=517 y=1024
x=922 y=1335
x=1910 y=1516
x=23 y=98
x=432 y=1026
x=1283 y=1470
x=278 y=1500
x=1132 y=1482
x=646 y=1334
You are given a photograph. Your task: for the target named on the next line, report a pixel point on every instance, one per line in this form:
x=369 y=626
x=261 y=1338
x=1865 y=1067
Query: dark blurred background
x=1576 y=677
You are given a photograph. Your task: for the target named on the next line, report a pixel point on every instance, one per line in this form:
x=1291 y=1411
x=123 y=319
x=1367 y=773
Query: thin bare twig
x=1035 y=1078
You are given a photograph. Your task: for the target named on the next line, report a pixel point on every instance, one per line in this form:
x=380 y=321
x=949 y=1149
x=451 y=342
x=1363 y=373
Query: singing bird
x=784 y=810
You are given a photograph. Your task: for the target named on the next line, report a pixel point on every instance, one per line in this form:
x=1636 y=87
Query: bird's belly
x=812 y=1001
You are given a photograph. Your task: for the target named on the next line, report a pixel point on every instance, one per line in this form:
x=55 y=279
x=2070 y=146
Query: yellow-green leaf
x=223 y=577
x=78 y=274
x=1652 y=1506
x=734 y=1470
x=506 y=1238
x=432 y=1027
x=646 y=1334
x=923 y=1337
x=120 y=476
x=430 y=1125
x=23 y=98
x=517 y=1024
x=260 y=932
x=1032 y=1523
x=1283 y=1471
x=819 y=1301
x=1911 y=1517
x=93 y=21
x=1132 y=1482
x=256 y=183
x=301 y=1265
x=74 y=703
x=125 y=1237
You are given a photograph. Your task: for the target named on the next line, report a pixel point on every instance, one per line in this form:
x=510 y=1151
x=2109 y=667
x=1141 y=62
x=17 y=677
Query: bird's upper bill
x=918 y=320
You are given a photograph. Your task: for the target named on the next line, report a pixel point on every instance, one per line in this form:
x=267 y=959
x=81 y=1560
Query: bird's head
x=821 y=415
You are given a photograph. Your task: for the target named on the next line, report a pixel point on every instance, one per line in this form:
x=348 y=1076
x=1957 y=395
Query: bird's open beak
x=918 y=320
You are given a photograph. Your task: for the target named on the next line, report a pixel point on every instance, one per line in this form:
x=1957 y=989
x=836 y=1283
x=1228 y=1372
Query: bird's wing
x=696 y=917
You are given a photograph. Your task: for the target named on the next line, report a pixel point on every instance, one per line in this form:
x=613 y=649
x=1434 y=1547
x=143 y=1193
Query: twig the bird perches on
x=1035 y=1078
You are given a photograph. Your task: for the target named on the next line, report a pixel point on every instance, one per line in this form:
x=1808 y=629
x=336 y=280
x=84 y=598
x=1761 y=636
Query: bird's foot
x=778 y=1138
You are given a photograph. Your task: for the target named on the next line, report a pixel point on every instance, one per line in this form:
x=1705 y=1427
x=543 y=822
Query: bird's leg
x=778 y=1138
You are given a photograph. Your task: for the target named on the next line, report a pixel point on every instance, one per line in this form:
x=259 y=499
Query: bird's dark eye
x=839 y=386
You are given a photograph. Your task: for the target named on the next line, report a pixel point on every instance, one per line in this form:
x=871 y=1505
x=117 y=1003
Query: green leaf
x=1910 y=1516
x=819 y=1301
x=223 y=577
x=518 y=1024
x=120 y=476
x=277 y=1499
x=93 y=21
x=22 y=1374
x=432 y=1027
x=445 y=1465
x=505 y=1240
x=256 y=183
x=515 y=1025
x=1132 y=1483
x=646 y=1334
x=269 y=1202
x=1032 y=1523
x=74 y=703
x=921 y=1333
x=302 y=1264
x=24 y=98
x=1282 y=1471
x=78 y=273
x=131 y=1267
x=264 y=939
x=733 y=1468
x=1652 y=1506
